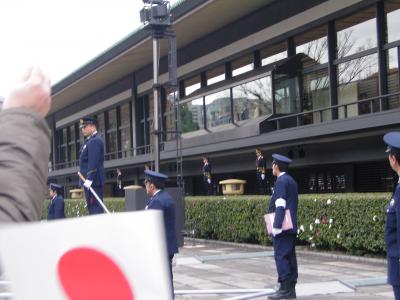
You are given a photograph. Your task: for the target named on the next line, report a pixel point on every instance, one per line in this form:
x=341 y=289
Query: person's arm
x=280 y=205
x=59 y=207
x=94 y=151
x=24 y=149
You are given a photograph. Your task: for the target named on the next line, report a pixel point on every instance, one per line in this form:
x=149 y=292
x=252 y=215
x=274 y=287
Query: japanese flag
x=120 y=257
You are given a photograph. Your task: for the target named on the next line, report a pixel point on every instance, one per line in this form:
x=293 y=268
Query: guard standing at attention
x=284 y=197
x=260 y=172
x=162 y=200
x=55 y=209
x=91 y=164
x=207 y=176
x=392 y=227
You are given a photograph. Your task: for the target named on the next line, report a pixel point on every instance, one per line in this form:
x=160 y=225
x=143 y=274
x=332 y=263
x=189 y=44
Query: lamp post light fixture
x=156 y=17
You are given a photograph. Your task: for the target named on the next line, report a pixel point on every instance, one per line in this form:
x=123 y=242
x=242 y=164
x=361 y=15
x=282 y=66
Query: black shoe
x=286 y=291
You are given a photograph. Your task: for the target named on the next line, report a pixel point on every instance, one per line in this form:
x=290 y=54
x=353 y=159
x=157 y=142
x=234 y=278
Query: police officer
x=91 y=164
x=207 y=176
x=260 y=172
x=284 y=197
x=55 y=209
x=162 y=200
x=392 y=229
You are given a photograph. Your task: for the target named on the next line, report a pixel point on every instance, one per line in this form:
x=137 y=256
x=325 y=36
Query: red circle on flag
x=87 y=274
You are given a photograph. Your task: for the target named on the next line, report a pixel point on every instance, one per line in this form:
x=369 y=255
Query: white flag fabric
x=119 y=256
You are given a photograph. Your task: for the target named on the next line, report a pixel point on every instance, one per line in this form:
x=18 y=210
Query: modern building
x=316 y=80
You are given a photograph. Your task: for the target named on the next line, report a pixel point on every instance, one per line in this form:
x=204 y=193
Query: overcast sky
x=60 y=36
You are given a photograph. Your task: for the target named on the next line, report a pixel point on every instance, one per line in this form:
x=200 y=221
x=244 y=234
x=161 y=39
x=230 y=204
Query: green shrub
x=77 y=207
x=349 y=222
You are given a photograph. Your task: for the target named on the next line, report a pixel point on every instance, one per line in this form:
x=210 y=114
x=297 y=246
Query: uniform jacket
x=392 y=230
x=163 y=201
x=285 y=189
x=207 y=171
x=260 y=166
x=24 y=158
x=56 y=208
x=91 y=160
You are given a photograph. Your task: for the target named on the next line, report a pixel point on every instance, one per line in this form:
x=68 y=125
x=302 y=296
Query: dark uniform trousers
x=285 y=257
x=94 y=207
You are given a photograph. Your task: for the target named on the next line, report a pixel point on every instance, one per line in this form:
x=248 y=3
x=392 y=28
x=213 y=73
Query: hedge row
x=346 y=222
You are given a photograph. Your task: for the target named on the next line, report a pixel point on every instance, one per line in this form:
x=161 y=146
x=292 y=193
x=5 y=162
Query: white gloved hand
x=262 y=176
x=276 y=231
x=209 y=181
x=87 y=183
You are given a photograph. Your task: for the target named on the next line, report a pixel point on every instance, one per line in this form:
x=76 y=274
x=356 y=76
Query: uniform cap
x=392 y=140
x=55 y=186
x=155 y=176
x=281 y=159
x=86 y=121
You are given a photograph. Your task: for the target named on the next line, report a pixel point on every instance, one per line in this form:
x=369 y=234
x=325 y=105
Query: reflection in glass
x=218 y=108
x=216 y=75
x=393 y=77
x=242 y=65
x=314 y=45
x=111 y=140
x=273 y=53
x=192 y=116
x=192 y=84
x=392 y=7
x=316 y=95
x=287 y=96
x=125 y=129
x=100 y=123
x=356 y=33
x=252 y=99
x=358 y=79
x=169 y=115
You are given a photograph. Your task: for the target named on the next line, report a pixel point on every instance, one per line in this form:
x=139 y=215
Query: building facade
x=316 y=80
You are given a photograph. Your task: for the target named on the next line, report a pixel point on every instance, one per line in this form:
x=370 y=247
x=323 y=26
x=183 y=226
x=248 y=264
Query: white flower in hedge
x=329 y=201
x=315 y=199
x=298 y=232
x=330 y=221
x=302 y=228
x=310 y=238
x=312 y=245
x=375 y=218
x=316 y=221
x=338 y=236
x=224 y=198
x=330 y=226
x=311 y=227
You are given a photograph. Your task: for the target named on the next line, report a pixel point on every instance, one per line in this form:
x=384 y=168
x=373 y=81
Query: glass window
x=192 y=115
x=273 y=53
x=216 y=75
x=218 y=108
x=392 y=8
x=252 y=99
x=393 y=77
x=242 y=65
x=287 y=98
x=356 y=33
x=111 y=138
x=316 y=95
x=169 y=114
x=72 y=143
x=314 y=46
x=101 y=124
x=192 y=85
x=125 y=129
x=63 y=146
x=358 y=79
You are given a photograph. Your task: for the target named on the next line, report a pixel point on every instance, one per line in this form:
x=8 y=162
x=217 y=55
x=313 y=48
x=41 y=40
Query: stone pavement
x=203 y=265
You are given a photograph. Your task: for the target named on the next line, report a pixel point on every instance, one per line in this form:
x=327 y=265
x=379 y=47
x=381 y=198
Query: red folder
x=286 y=224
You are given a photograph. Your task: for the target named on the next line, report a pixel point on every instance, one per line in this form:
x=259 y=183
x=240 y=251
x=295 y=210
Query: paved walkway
x=213 y=266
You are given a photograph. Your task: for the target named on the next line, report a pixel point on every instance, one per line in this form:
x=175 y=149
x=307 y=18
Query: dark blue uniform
x=284 y=243
x=56 y=208
x=162 y=200
x=260 y=170
x=392 y=226
x=207 y=178
x=91 y=166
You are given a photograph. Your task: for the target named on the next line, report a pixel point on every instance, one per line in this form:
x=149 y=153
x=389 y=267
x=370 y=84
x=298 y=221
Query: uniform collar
x=282 y=173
